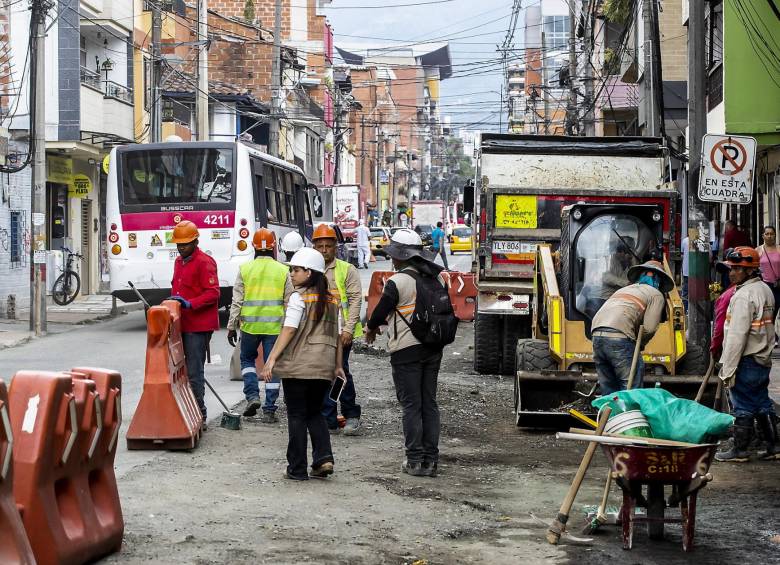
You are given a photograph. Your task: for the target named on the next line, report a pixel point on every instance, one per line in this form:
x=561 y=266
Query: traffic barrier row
x=462 y=291
x=167 y=416
x=65 y=427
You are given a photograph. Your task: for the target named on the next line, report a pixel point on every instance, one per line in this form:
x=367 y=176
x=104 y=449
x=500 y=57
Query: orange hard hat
x=185 y=232
x=743 y=256
x=324 y=231
x=264 y=239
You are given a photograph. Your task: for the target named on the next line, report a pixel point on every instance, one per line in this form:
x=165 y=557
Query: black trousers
x=415 y=387
x=303 y=398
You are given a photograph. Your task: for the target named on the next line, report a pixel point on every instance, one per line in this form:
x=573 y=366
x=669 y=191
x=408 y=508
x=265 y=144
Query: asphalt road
x=120 y=344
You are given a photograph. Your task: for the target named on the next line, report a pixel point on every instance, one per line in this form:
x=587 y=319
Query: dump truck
x=555 y=215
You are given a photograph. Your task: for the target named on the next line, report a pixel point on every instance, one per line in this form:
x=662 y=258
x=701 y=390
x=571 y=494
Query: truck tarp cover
x=566 y=145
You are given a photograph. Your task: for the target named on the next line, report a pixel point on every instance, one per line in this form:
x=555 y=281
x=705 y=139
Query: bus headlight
x=116 y=249
x=241 y=245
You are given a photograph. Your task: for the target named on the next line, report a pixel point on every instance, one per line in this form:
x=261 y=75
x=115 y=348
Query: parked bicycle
x=67 y=285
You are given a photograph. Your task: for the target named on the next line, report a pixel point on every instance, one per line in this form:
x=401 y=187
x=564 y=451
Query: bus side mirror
x=468 y=197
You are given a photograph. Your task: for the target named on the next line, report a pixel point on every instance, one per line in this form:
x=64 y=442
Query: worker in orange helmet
x=258 y=310
x=196 y=287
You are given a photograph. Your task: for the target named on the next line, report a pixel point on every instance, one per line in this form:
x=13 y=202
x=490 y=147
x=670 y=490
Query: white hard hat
x=308 y=258
x=291 y=242
x=406 y=236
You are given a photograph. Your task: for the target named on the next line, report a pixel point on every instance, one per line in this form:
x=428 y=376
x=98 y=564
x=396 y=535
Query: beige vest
x=312 y=352
x=399 y=335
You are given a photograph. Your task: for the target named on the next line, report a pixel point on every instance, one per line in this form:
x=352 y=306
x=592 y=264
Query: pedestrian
x=616 y=325
x=415 y=365
x=734 y=237
x=769 y=253
x=746 y=361
x=257 y=310
x=195 y=286
x=291 y=243
x=719 y=315
x=344 y=284
x=362 y=234
x=438 y=244
x=307 y=356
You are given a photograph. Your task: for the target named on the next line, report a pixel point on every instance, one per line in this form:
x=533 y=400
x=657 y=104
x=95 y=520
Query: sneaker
x=413 y=469
x=733 y=455
x=430 y=469
x=252 y=407
x=352 y=427
x=294 y=478
x=269 y=418
x=322 y=471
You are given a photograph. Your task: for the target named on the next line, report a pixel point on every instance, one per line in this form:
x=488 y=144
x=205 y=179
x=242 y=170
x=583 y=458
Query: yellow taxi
x=378 y=240
x=461 y=239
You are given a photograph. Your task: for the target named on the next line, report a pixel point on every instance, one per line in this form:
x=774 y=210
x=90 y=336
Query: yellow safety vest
x=341 y=282
x=262 y=311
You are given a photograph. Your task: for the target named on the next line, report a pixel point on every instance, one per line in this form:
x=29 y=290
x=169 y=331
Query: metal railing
x=90 y=78
x=109 y=88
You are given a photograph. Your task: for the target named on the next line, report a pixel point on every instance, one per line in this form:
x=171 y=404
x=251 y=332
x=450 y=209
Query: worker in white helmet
x=291 y=243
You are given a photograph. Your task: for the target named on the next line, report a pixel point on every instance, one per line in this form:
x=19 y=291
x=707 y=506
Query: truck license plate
x=513 y=247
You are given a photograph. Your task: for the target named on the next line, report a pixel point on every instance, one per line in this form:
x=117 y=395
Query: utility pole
x=155 y=119
x=202 y=98
x=545 y=89
x=648 y=80
x=698 y=211
x=276 y=83
x=571 y=113
x=39 y=8
x=336 y=139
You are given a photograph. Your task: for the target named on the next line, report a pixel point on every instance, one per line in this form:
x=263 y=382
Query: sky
x=474 y=28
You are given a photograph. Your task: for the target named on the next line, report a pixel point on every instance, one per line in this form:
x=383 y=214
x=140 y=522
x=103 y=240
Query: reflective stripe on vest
x=262 y=311
x=341 y=282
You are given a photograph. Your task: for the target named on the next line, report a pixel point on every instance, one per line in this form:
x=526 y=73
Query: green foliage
x=249 y=10
x=611 y=62
x=617 y=11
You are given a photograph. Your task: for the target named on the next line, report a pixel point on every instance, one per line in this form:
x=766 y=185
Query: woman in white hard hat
x=291 y=243
x=307 y=356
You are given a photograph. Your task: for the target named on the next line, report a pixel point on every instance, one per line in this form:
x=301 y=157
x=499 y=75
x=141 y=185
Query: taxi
x=461 y=240
x=379 y=238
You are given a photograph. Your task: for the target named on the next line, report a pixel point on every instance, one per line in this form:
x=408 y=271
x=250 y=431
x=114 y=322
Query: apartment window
x=83 y=51
x=17 y=238
x=556 y=32
x=713 y=44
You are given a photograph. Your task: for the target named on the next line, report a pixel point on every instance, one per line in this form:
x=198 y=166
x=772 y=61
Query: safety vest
x=341 y=282
x=262 y=312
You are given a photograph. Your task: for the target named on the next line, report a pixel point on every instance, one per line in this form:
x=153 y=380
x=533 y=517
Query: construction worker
x=291 y=243
x=616 y=325
x=258 y=307
x=748 y=341
x=196 y=287
x=344 y=284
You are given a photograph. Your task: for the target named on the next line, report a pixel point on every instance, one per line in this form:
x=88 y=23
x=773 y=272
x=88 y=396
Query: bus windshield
x=154 y=178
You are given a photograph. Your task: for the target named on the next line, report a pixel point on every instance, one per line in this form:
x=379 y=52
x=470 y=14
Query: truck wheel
x=487 y=344
x=534 y=355
x=515 y=327
x=695 y=362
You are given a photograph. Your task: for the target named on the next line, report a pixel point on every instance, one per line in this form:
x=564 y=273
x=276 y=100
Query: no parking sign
x=727 y=165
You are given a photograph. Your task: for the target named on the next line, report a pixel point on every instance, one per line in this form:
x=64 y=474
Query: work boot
x=322 y=471
x=269 y=418
x=352 y=427
x=430 y=469
x=252 y=407
x=743 y=428
x=414 y=469
x=769 y=428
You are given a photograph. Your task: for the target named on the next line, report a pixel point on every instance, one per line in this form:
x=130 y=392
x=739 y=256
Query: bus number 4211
x=217 y=220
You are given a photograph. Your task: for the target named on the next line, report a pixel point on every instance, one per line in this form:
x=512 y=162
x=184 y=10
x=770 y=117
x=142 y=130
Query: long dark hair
x=319 y=283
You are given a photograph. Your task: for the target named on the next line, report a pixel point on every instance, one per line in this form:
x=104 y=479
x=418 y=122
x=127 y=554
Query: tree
x=249 y=11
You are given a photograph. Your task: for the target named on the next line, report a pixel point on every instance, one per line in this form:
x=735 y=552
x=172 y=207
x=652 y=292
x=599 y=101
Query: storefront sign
x=727 y=166
x=81 y=187
x=106 y=160
x=60 y=169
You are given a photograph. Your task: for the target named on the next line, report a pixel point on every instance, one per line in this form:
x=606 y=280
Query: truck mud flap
x=542 y=399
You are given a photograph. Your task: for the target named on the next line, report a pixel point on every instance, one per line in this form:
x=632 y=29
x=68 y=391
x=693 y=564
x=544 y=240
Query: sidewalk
x=83 y=310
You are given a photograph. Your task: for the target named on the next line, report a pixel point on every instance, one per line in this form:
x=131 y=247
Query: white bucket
x=631 y=423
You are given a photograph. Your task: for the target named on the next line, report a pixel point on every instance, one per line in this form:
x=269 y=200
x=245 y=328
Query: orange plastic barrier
x=167 y=416
x=97 y=473
x=14 y=546
x=375 y=288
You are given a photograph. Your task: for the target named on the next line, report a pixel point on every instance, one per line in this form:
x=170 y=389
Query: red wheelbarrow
x=684 y=469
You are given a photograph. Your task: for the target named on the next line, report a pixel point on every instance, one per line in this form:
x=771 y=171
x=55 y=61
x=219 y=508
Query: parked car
x=379 y=238
x=425 y=232
x=462 y=240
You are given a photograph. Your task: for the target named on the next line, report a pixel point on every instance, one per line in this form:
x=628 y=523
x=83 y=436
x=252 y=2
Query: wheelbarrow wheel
x=656 y=505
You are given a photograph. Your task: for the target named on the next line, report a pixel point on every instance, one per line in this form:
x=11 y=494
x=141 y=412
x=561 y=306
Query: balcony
x=106 y=106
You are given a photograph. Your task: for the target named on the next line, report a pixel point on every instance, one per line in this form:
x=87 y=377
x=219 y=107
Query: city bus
x=228 y=189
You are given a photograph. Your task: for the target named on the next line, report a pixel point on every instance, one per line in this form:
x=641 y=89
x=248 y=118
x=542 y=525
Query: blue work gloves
x=181 y=300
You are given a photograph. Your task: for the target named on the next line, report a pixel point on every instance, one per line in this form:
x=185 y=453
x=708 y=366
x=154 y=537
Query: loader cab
x=599 y=243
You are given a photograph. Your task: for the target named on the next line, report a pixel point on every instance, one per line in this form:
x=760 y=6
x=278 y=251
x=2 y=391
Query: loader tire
x=534 y=355
x=515 y=328
x=695 y=362
x=487 y=344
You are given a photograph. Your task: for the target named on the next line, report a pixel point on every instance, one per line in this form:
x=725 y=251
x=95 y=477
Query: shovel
x=230 y=420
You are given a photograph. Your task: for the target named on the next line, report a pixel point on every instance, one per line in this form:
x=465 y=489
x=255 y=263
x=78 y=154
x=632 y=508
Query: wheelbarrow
x=647 y=473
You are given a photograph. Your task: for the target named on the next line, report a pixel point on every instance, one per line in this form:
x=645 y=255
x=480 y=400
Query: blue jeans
x=750 y=394
x=349 y=406
x=613 y=363
x=249 y=345
x=195 y=344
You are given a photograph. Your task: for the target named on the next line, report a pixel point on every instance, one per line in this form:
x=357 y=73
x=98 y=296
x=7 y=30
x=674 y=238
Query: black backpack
x=433 y=321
